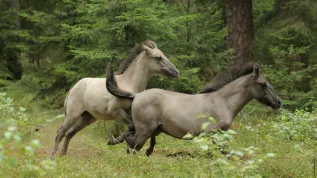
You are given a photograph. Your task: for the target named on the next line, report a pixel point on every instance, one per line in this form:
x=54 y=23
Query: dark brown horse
x=155 y=110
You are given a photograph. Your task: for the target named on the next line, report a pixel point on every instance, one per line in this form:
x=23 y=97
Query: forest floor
x=89 y=155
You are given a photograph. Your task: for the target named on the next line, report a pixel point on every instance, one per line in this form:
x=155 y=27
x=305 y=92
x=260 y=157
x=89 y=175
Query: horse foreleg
x=121 y=138
x=136 y=141
x=117 y=140
x=128 y=120
x=149 y=151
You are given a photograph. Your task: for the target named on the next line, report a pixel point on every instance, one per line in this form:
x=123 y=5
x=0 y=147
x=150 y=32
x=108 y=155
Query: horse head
x=263 y=91
x=157 y=62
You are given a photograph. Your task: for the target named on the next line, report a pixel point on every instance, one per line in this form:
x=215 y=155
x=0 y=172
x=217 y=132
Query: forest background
x=47 y=46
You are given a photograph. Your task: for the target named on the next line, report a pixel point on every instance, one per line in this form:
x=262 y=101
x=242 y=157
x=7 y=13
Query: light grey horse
x=89 y=101
x=155 y=110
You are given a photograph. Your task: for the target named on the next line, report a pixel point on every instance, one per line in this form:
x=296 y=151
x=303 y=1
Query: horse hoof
x=112 y=142
x=148 y=152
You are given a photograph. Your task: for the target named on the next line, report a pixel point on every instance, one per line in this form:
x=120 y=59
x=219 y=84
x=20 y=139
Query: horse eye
x=159 y=58
x=263 y=84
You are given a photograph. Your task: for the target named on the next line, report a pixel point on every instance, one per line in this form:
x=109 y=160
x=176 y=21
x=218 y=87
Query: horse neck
x=236 y=94
x=137 y=74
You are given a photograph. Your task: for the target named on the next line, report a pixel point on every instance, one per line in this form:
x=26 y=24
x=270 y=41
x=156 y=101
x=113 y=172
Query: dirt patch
x=77 y=148
x=181 y=154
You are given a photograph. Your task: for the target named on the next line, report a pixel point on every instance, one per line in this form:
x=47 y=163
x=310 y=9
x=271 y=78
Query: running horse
x=88 y=100
x=156 y=110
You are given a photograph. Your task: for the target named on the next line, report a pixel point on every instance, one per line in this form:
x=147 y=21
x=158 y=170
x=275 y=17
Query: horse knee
x=70 y=133
x=60 y=133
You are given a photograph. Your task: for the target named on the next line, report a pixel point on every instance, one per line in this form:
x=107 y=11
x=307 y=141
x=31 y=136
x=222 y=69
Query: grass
x=90 y=156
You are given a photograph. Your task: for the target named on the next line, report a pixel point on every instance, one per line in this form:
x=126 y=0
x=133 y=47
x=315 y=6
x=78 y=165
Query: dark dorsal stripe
x=134 y=53
x=233 y=73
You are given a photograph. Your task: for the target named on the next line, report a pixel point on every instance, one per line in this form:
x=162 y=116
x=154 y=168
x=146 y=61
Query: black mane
x=233 y=73
x=134 y=53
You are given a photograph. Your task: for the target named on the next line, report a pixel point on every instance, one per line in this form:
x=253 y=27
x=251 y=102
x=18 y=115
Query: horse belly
x=179 y=130
x=181 y=119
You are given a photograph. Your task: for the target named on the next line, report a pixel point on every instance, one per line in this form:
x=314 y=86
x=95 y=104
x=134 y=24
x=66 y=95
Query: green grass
x=90 y=156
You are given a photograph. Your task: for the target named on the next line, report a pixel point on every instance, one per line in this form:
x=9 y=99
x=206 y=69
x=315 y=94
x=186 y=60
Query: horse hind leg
x=60 y=135
x=84 y=120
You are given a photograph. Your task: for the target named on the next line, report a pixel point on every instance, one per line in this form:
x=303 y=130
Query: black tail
x=112 y=86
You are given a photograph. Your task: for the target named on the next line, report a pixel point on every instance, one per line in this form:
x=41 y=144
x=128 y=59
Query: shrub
x=12 y=148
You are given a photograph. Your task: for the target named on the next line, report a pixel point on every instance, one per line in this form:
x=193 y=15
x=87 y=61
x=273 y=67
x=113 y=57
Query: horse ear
x=256 y=72
x=147 y=49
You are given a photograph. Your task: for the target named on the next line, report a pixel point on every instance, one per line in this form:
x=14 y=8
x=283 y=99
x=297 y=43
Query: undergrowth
x=260 y=144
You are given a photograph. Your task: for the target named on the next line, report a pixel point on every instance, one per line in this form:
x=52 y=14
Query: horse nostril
x=176 y=72
x=279 y=102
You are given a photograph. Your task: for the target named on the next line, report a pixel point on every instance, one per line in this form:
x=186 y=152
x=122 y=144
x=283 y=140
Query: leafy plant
x=227 y=162
x=299 y=125
x=12 y=146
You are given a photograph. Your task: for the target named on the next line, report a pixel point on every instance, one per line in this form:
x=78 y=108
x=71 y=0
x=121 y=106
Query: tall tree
x=240 y=29
x=12 y=53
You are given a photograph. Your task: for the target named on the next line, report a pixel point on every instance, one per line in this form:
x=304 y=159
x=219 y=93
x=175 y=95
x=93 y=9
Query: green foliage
x=228 y=162
x=89 y=155
x=64 y=41
x=285 y=44
x=12 y=147
x=57 y=42
x=300 y=126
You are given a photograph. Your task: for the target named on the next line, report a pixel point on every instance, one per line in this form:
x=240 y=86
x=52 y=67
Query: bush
x=299 y=125
x=12 y=126
x=227 y=162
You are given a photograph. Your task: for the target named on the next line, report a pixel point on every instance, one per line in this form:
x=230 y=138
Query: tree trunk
x=13 y=55
x=16 y=6
x=240 y=29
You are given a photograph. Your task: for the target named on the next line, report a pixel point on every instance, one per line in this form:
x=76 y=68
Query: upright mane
x=233 y=73
x=134 y=53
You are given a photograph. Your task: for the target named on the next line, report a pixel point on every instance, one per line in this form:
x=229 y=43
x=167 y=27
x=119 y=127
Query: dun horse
x=155 y=110
x=88 y=100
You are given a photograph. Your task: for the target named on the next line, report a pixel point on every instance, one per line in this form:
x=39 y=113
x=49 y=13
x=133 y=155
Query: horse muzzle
x=171 y=72
x=277 y=104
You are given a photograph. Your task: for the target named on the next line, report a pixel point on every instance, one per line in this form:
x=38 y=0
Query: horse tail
x=112 y=86
x=65 y=104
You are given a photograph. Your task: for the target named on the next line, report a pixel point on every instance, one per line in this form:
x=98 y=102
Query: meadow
x=46 y=47
x=261 y=143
